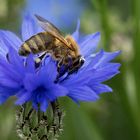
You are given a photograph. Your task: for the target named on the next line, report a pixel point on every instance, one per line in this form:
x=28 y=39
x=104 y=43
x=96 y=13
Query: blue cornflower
x=19 y=77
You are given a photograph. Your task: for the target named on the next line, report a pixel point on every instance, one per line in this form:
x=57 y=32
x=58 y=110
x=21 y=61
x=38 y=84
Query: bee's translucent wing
x=50 y=28
x=46 y=25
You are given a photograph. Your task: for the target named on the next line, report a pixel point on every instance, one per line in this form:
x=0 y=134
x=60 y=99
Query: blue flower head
x=19 y=77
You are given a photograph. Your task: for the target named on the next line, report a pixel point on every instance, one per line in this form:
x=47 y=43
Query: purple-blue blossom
x=19 y=77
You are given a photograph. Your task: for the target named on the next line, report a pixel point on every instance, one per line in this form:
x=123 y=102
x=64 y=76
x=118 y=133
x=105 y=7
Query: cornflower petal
x=3 y=49
x=51 y=71
x=83 y=93
x=106 y=58
x=23 y=98
x=9 y=72
x=102 y=75
x=58 y=91
x=100 y=88
x=30 y=64
x=30 y=82
x=89 y=44
x=28 y=27
x=3 y=99
x=76 y=33
x=10 y=39
x=44 y=105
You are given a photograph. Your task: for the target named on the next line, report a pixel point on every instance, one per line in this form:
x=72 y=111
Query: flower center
x=40 y=89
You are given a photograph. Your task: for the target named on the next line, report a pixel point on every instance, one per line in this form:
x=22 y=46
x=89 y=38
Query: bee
x=64 y=50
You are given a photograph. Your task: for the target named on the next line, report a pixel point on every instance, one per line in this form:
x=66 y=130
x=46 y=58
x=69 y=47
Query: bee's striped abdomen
x=36 y=44
x=24 y=49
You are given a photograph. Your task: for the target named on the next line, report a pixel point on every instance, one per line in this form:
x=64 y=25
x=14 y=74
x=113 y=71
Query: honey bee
x=64 y=50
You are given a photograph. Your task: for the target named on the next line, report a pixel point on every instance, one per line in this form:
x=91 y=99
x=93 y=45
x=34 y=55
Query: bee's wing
x=49 y=27
x=46 y=25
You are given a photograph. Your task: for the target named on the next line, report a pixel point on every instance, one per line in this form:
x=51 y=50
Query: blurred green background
x=116 y=116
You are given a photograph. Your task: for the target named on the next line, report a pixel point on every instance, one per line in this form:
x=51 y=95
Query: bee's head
x=76 y=64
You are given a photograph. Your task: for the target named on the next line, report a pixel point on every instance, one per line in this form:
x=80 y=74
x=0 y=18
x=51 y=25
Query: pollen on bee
x=37 y=60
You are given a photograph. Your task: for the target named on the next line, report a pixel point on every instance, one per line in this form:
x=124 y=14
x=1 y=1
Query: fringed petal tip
x=89 y=44
x=29 y=27
x=76 y=33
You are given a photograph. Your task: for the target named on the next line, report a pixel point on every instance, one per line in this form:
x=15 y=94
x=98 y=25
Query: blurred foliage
x=115 y=116
x=10 y=14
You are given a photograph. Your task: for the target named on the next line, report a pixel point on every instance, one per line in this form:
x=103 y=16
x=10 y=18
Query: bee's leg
x=72 y=71
x=43 y=55
x=76 y=65
x=58 y=75
x=39 y=59
x=61 y=69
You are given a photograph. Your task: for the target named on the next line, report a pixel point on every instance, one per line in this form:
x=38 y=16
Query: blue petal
x=3 y=99
x=76 y=33
x=3 y=49
x=105 y=73
x=16 y=60
x=24 y=97
x=83 y=93
x=91 y=61
x=31 y=82
x=99 y=60
x=8 y=91
x=10 y=39
x=30 y=64
x=35 y=105
x=74 y=100
x=100 y=88
x=106 y=57
x=5 y=81
x=49 y=70
x=40 y=95
x=44 y=105
x=28 y=27
x=89 y=44
x=87 y=76
x=57 y=91
x=51 y=97
x=10 y=71
x=110 y=67
x=78 y=79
